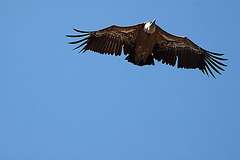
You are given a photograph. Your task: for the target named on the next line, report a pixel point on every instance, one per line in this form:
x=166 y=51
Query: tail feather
x=149 y=61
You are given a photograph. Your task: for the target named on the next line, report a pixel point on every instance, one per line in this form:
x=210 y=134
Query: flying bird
x=144 y=42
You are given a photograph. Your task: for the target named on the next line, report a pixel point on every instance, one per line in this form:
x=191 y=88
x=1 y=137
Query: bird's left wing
x=109 y=40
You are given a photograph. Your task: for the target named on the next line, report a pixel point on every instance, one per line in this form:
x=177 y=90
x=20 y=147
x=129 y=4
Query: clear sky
x=57 y=104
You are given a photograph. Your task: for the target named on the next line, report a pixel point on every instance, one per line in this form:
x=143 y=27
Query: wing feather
x=102 y=42
x=90 y=43
x=80 y=45
x=78 y=41
x=119 y=45
x=106 y=45
x=112 y=46
x=95 y=44
x=116 y=46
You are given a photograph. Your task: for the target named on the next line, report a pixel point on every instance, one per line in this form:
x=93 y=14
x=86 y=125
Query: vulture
x=144 y=42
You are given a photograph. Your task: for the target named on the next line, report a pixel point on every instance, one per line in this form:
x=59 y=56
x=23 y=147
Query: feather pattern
x=160 y=45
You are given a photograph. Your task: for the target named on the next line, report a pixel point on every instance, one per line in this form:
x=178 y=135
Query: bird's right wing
x=171 y=49
x=109 y=40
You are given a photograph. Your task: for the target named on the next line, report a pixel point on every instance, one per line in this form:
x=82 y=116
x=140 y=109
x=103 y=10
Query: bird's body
x=144 y=42
x=142 y=51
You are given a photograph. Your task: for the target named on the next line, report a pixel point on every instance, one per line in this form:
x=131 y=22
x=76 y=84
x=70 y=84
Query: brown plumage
x=144 y=42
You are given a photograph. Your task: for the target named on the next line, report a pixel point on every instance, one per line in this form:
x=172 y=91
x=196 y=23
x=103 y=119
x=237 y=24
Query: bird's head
x=150 y=27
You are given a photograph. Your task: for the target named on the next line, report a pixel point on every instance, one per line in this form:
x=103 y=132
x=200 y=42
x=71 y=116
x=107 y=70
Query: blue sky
x=57 y=104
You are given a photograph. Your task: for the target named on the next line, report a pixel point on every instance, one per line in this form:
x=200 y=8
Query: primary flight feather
x=144 y=42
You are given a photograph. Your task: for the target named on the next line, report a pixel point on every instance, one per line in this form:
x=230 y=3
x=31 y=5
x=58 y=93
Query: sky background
x=57 y=104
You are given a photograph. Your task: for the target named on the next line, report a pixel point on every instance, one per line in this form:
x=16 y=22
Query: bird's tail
x=131 y=58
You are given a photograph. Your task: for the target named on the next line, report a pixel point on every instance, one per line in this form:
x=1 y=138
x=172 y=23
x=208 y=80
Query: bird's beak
x=153 y=21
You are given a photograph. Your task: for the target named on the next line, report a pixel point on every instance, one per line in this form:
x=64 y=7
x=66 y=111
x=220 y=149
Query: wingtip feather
x=80 y=31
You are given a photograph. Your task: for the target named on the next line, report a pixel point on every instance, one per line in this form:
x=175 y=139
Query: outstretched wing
x=109 y=40
x=189 y=55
